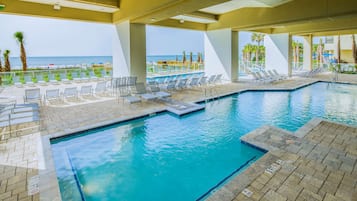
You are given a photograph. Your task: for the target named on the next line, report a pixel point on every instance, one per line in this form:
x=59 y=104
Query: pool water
x=164 y=157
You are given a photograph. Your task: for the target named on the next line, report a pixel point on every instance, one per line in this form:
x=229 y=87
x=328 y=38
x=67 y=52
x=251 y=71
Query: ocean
x=44 y=62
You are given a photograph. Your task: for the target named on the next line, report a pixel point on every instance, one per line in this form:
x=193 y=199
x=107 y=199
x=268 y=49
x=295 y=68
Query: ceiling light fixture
x=57 y=6
x=182 y=21
x=153 y=19
x=2 y=6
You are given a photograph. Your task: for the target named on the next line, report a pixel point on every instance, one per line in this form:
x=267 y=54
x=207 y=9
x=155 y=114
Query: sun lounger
x=32 y=96
x=264 y=79
x=171 y=85
x=86 y=91
x=203 y=81
x=267 y=76
x=10 y=120
x=181 y=83
x=211 y=79
x=194 y=82
x=53 y=95
x=70 y=93
x=155 y=89
x=141 y=91
x=277 y=74
x=101 y=88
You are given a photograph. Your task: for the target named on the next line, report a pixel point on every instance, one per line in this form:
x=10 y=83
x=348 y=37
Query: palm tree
x=257 y=37
x=7 y=61
x=19 y=36
x=183 y=57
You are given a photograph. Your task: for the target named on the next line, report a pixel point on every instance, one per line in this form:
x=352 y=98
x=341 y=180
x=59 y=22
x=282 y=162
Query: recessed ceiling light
x=182 y=21
x=153 y=19
x=57 y=6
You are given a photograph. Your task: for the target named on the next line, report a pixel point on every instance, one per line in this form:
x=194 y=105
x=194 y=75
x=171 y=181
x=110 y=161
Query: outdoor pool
x=164 y=157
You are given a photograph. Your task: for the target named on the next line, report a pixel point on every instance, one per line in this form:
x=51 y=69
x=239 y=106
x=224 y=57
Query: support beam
x=129 y=51
x=307 y=52
x=278 y=53
x=221 y=53
x=18 y=7
x=138 y=11
x=289 y=13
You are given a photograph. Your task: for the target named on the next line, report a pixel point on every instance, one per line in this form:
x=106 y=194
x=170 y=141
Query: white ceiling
x=237 y=4
x=79 y=5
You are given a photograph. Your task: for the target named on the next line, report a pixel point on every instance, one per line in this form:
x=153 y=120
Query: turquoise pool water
x=168 y=158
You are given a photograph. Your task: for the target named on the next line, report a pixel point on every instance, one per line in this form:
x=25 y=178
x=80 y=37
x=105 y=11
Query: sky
x=54 y=37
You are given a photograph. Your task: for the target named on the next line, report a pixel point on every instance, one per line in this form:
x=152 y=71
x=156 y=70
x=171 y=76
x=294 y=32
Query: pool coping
x=48 y=185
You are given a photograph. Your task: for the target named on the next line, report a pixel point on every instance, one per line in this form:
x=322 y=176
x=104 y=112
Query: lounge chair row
x=35 y=96
x=268 y=76
x=63 y=77
x=191 y=82
x=12 y=114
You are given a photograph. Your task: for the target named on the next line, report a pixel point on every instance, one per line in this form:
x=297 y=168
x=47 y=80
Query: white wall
x=129 y=50
x=278 y=53
x=121 y=49
x=307 y=53
x=221 y=53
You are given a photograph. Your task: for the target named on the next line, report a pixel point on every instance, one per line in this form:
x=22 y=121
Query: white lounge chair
x=181 y=83
x=141 y=91
x=75 y=76
x=70 y=93
x=101 y=88
x=86 y=91
x=277 y=74
x=63 y=76
x=155 y=89
x=33 y=96
x=84 y=77
x=52 y=95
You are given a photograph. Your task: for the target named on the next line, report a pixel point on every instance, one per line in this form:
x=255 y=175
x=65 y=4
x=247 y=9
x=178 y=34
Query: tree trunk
x=23 y=57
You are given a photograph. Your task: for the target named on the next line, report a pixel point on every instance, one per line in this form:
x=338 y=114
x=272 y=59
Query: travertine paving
x=25 y=155
x=319 y=166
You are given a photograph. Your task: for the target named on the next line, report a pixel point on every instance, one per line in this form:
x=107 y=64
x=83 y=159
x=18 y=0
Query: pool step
x=181 y=108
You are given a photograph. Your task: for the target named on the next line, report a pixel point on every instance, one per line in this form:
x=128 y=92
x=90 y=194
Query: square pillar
x=221 y=53
x=278 y=53
x=129 y=50
x=307 y=53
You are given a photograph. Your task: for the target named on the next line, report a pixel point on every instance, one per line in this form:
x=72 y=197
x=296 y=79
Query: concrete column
x=221 y=53
x=307 y=53
x=129 y=50
x=278 y=53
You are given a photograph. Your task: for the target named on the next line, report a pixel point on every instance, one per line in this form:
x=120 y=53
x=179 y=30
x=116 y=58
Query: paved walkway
x=319 y=166
x=26 y=155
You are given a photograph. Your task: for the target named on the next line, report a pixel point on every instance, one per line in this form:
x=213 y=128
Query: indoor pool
x=164 y=157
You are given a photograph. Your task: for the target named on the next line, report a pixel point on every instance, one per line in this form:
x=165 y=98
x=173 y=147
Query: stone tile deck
x=26 y=155
x=320 y=165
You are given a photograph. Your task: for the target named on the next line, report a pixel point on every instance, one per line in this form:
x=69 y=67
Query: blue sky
x=53 y=37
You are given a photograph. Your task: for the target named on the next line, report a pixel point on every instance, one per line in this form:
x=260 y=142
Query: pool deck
x=325 y=167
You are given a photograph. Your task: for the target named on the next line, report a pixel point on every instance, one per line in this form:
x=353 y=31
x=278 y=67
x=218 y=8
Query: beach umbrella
x=191 y=57
x=176 y=58
x=354 y=49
